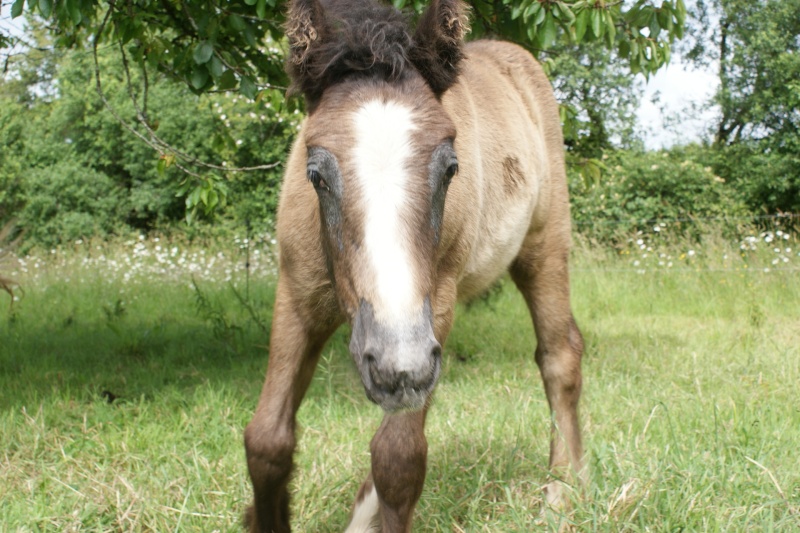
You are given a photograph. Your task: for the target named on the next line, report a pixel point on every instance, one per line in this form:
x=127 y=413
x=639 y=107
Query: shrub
x=638 y=190
x=11 y=164
x=768 y=181
x=69 y=200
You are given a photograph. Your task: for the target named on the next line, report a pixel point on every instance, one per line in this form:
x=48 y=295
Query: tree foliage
x=213 y=45
x=229 y=111
x=756 y=48
x=600 y=94
x=70 y=169
x=755 y=45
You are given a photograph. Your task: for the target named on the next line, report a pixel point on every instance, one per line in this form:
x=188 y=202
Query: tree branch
x=155 y=142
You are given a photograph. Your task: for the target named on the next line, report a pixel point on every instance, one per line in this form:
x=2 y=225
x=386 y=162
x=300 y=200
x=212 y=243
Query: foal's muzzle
x=399 y=366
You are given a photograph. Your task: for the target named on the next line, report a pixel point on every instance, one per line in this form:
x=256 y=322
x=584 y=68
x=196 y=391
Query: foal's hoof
x=556 y=507
x=249 y=518
x=555 y=495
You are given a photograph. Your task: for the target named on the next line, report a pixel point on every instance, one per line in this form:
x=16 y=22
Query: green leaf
x=611 y=29
x=250 y=37
x=655 y=29
x=215 y=67
x=532 y=9
x=74 y=8
x=534 y=36
x=680 y=12
x=540 y=15
x=555 y=10
x=211 y=201
x=203 y=52
x=261 y=9
x=194 y=197
x=199 y=77
x=183 y=188
x=678 y=29
x=227 y=80
x=624 y=48
x=517 y=10
x=248 y=87
x=16 y=8
x=566 y=12
x=663 y=15
x=655 y=56
x=237 y=22
x=549 y=31
x=250 y=2
x=125 y=30
x=46 y=8
x=642 y=17
x=580 y=24
x=597 y=22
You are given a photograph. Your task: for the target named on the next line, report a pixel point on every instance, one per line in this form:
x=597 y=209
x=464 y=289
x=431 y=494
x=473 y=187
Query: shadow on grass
x=80 y=345
x=81 y=341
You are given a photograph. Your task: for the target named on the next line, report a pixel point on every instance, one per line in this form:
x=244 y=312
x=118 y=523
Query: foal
x=425 y=170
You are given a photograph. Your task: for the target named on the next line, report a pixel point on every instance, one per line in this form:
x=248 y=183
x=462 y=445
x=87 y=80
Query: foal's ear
x=306 y=30
x=438 y=41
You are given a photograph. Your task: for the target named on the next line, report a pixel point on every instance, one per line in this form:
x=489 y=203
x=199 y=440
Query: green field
x=691 y=410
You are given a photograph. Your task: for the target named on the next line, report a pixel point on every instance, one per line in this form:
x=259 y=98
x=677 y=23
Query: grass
x=690 y=407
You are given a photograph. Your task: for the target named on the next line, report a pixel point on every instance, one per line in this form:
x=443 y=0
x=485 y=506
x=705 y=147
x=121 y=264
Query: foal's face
x=381 y=157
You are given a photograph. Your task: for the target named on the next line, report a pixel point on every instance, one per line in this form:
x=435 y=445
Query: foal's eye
x=451 y=171
x=316 y=179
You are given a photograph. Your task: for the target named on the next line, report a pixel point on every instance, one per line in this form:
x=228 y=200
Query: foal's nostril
x=436 y=352
x=412 y=372
x=372 y=367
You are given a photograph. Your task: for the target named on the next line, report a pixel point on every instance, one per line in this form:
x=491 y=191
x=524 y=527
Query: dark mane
x=355 y=37
x=331 y=40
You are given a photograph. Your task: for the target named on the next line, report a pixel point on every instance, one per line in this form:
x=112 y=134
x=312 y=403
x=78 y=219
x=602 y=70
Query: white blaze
x=382 y=151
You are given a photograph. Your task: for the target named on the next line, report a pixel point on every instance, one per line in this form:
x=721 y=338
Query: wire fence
x=654 y=221
x=683 y=270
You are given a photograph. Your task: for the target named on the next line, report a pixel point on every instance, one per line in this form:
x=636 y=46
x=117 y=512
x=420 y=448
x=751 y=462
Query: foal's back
x=510 y=148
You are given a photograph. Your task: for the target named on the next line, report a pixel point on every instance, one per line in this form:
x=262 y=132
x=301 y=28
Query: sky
x=676 y=87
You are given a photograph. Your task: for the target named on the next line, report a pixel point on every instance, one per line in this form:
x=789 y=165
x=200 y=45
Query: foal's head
x=380 y=156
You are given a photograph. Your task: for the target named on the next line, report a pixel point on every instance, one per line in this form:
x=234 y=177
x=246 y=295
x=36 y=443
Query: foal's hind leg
x=542 y=275
x=295 y=343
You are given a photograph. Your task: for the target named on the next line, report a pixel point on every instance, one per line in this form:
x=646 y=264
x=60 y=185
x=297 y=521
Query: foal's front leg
x=295 y=343
x=387 y=498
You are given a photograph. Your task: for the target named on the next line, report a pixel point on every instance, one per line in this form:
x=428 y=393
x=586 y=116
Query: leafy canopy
x=215 y=45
